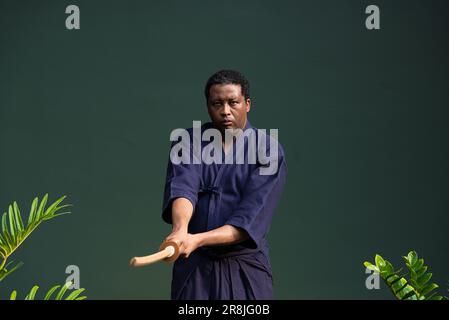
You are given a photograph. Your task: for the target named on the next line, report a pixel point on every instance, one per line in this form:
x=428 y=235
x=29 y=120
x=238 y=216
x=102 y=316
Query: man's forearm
x=224 y=235
x=182 y=210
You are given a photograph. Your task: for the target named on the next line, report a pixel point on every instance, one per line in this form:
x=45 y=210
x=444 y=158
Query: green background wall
x=362 y=115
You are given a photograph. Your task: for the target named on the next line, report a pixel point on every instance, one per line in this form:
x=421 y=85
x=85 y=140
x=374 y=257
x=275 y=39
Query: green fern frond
x=74 y=295
x=419 y=277
x=418 y=287
x=401 y=289
x=14 y=232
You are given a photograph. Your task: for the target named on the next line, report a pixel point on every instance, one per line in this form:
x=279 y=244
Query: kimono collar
x=247 y=125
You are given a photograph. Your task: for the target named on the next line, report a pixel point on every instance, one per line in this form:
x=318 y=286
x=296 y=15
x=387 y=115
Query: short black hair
x=227 y=77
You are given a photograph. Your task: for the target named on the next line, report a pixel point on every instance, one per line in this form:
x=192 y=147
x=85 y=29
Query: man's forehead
x=225 y=91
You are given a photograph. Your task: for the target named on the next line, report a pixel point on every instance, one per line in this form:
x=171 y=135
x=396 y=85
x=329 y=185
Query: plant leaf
x=49 y=217
x=63 y=290
x=50 y=292
x=371 y=266
x=30 y=296
x=4 y=225
x=53 y=207
x=18 y=216
x=33 y=210
x=424 y=279
x=13 y=295
x=12 y=222
x=427 y=289
x=380 y=262
x=8 y=241
x=412 y=257
x=6 y=271
x=40 y=211
x=418 y=264
x=74 y=294
x=13 y=231
x=421 y=271
x=388 y=267
x=409 y=295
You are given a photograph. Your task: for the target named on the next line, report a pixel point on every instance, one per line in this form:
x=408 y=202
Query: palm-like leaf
x=419 y=277
x=401 y=289
x=6 y=270
x=14 y=232
x=60 y=295
x=418 y=288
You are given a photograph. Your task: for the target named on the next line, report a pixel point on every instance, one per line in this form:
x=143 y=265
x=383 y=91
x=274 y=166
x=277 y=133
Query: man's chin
x=223 y=127
x=231 y=129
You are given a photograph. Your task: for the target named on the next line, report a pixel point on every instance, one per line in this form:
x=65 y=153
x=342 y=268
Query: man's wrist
x=180 y=228
x=199 y=239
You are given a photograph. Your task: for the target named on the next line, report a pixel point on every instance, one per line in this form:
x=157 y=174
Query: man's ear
x=248 y=105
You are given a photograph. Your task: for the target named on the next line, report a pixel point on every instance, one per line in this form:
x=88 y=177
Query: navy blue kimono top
x=233 y=194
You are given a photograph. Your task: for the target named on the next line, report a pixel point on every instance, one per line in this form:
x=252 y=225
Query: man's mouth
x=226 y=122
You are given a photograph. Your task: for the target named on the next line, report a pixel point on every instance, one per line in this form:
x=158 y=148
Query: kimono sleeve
x=182 y=181
x=258 y=204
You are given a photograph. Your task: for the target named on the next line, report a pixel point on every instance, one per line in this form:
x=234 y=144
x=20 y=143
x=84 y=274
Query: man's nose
x=226 y=110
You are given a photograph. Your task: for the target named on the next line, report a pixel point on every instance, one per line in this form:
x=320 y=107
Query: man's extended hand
x=182 y=210
x=187 y=242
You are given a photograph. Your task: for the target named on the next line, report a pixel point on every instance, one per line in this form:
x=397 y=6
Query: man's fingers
x=180 y=243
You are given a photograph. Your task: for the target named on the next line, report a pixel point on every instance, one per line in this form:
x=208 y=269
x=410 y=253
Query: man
x=221 y=212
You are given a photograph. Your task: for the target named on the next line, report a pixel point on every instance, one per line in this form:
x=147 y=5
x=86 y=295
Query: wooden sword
x=168 y=252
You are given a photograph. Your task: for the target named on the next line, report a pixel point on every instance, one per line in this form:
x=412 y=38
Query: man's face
x=227 y=106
